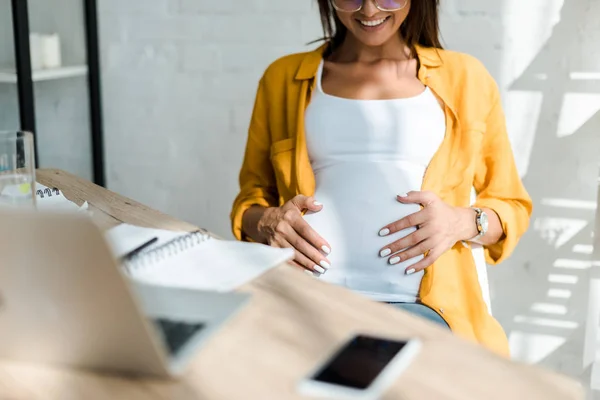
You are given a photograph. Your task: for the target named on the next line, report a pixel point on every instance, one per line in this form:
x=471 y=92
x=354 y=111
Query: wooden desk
x=292 y=320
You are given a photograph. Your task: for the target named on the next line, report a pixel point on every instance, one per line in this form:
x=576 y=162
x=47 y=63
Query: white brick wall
x=179 y=83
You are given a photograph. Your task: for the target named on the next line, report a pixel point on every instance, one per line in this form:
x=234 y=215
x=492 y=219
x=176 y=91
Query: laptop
x=65 y=300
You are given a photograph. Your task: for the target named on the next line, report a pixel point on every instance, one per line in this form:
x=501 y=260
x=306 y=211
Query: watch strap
x=480 y=232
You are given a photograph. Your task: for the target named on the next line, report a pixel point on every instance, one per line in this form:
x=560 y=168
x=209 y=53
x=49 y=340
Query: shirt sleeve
x=498 y=184
x=257 y=178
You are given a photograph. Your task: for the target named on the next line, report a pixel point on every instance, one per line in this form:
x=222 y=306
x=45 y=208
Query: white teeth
x=373 y=23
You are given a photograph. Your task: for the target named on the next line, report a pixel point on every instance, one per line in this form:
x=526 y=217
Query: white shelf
x=47 y=74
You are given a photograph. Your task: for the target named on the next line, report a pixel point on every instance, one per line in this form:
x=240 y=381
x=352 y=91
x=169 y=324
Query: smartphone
x=362 y=369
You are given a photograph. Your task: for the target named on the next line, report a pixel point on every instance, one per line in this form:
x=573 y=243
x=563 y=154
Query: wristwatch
x=481 y=220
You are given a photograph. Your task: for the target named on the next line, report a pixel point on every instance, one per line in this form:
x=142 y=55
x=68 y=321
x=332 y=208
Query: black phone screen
x=359 y=362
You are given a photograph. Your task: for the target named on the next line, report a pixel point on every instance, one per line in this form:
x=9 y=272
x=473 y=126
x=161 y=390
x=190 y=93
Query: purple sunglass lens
x=354 y=5
x=390 y=4
x=348 y=5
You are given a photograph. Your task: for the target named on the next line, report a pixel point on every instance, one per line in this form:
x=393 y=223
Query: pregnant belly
x=358 y=200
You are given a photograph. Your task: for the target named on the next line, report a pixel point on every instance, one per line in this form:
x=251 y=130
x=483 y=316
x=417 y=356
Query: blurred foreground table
x=291 y=322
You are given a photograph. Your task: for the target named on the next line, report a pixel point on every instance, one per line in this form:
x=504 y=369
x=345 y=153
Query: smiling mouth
x=373 y=23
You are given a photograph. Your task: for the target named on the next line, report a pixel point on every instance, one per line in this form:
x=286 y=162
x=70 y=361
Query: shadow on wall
x=543 y=288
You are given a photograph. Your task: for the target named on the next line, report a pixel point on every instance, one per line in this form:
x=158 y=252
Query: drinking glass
x=17 y=170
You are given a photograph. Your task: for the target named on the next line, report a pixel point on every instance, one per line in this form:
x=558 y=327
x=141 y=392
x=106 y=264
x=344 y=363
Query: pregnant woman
x=363 y=156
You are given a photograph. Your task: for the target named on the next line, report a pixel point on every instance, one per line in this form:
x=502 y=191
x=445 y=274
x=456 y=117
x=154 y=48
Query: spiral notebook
x=193 y=260
x=52 y=199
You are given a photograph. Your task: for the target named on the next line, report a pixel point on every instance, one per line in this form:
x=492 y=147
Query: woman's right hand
x=284 y=227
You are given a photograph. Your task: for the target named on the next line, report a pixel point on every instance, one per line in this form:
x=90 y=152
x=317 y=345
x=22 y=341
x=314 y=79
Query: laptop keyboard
x=177 y=333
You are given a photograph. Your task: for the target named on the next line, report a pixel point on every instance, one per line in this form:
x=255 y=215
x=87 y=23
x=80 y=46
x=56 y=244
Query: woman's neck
x=353 y=50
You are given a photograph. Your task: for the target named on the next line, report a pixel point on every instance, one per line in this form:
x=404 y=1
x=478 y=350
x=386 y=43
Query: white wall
x=179 y=80
x=179 y=84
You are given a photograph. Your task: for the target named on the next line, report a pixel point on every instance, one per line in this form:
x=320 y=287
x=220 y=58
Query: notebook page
x=217 y=265
x=124 y=238
x=52 y=199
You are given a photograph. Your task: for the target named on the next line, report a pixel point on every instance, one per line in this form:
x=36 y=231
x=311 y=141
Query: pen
x=137 y=250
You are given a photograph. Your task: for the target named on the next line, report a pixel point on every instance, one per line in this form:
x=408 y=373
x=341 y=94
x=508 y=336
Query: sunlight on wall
x=583 y=249
x=522 y=115
x=549 y=308
x=563 y=279
x=533 y=348
x=576 y=110
x=527 y=27
x=546 y=322
x=558 y=231
x=569 y=203
x=559 y=293
x=572 y=264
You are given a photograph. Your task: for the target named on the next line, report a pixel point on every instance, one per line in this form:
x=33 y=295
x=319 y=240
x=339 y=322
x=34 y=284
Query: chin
x=374 y=40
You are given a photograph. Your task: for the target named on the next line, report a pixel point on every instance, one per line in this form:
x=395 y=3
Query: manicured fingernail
x=326 y=249
x=395 y=260
x=318 y=204
x=319 y=269
x=385 y=253
x=325 y=265
x=410 y=271
x=384 y=232
x=402 y=195
x=308 y=272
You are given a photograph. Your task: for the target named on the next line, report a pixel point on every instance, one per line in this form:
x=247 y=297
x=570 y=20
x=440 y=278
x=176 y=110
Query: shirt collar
x=429 y=57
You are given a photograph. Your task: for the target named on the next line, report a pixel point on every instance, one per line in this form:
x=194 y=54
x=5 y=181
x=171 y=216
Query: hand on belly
x=284 y=227
x=358 y=200
x=440 y=228
x=354 y=233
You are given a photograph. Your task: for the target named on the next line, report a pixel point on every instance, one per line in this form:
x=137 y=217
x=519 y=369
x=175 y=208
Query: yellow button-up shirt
x=475 y=153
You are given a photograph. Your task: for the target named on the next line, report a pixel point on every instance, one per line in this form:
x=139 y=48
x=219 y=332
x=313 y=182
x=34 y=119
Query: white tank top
x=364 y=153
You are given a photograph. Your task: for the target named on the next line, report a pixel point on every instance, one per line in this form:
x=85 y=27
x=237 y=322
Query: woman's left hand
x=439 y=227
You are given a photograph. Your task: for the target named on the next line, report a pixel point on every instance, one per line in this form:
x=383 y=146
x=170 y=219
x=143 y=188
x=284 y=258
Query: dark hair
x=421 y=26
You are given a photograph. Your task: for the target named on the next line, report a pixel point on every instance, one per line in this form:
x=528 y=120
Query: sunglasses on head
x=357 y=5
